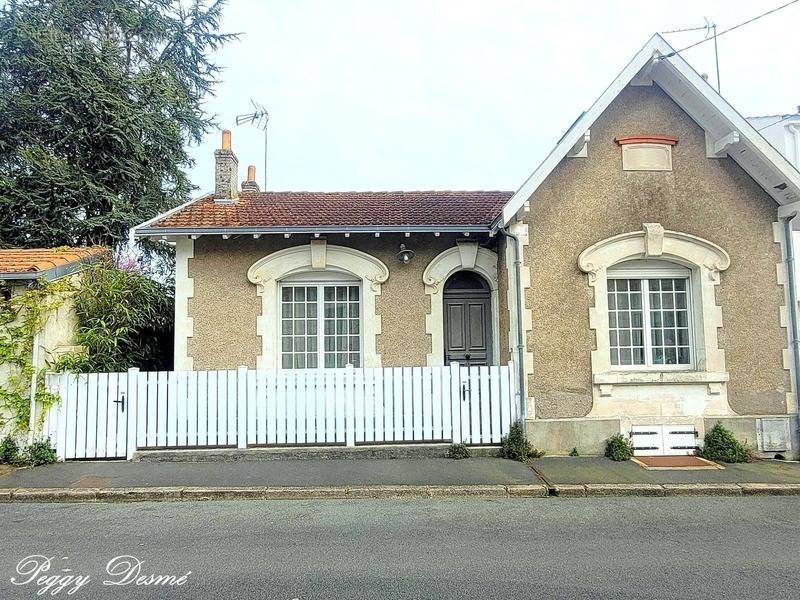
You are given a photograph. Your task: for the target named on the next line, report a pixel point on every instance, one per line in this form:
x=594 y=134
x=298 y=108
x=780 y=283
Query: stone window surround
x=705 y=259
x=320 y=256
x=464 y=256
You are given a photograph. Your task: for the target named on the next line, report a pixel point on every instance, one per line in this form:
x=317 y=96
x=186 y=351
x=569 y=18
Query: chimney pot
x=226 y=139
x=250 y=185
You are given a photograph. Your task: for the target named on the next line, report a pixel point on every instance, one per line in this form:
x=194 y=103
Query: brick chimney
x=226 y=171
x=250 y=185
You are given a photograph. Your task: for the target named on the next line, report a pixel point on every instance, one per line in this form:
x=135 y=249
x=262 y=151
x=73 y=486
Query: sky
x=458 y=94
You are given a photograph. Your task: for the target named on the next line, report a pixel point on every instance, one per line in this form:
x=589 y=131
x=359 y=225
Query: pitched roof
x=289 y=211
x=728 y=133
x=32 y=263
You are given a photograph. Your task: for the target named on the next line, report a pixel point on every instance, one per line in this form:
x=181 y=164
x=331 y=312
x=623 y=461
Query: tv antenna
x=260 y=119
x=711 y=29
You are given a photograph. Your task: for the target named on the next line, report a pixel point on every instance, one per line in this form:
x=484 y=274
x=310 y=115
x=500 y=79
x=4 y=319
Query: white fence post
x=133 y=410
x=241 y=407
x=455 y=401
x=349 y=406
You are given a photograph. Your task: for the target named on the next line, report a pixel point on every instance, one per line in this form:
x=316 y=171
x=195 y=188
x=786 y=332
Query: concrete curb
x=675 y=489
x=173 y=494
x=178 y=494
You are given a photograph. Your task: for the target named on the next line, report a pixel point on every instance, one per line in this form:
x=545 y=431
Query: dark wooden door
x=467 y=318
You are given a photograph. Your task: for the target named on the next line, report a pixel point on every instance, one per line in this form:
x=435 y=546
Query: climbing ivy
x=22 y=317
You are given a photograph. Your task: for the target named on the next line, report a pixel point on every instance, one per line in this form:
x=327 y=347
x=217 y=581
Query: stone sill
x=713 y=379
x=634 y=377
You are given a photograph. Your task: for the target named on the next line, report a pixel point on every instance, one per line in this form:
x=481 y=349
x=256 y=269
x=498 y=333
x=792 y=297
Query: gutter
x=52 y=273
x=159 y=231
x=793 y=327
x=520 y=326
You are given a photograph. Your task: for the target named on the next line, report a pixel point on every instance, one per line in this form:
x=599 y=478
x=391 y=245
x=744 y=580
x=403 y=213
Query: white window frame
x=644 y=274
x=312 y=279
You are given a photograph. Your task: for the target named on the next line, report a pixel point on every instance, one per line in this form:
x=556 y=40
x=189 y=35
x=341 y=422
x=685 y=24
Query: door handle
x=122 y=402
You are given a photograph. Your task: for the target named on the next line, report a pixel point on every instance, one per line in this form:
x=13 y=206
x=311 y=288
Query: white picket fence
x=110 y=415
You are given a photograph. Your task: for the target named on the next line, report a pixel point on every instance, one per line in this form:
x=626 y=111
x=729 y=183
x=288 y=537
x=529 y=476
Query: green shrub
x=619 y=447
x=574 y=452
x=458 y=451
x=516 y=446
x=9 y=451
x=40 y=453
x=720 y=445
x=125 y=319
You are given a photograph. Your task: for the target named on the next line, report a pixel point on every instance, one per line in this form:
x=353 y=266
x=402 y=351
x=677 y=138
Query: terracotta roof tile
x=39 y=260
x=341 y=209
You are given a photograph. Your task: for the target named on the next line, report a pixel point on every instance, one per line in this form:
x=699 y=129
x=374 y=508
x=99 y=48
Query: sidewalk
x=568 y=470
x=274 y=473
x=119 y=481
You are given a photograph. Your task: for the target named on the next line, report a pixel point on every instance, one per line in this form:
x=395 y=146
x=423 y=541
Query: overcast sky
x=458 y=94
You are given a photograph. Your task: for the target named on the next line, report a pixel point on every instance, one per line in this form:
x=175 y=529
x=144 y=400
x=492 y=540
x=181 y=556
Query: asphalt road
x=545 y=548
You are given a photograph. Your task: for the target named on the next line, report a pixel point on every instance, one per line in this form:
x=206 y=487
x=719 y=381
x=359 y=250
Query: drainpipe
x=795 y=341
x=520 y=326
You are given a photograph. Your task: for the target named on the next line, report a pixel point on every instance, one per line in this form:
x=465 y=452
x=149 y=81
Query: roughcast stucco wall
x=225 y=305
x=586 y=200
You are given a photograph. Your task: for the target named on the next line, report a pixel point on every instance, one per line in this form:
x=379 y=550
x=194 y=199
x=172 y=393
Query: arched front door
x=467 y=318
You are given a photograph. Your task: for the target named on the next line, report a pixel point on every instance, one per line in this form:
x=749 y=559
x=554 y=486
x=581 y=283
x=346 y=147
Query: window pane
x=298 y=326
x=626 y=336
x=669 y=322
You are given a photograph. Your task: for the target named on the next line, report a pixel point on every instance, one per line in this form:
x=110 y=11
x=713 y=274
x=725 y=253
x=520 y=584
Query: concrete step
x=387 y=451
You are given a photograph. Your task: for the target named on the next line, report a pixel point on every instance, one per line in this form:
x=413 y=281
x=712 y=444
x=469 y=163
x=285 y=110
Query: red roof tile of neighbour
x=39 y=260
x=340 y=209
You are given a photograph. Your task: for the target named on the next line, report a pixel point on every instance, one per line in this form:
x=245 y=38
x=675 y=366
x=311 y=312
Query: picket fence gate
x=111 y=415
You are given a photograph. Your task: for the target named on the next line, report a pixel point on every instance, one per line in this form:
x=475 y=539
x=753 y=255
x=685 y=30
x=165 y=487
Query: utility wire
x=756 y=18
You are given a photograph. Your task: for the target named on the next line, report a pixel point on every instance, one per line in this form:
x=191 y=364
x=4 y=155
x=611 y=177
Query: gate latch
x=122 y=401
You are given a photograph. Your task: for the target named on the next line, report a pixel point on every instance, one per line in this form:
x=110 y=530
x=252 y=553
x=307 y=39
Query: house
x=652 y=272
x=33 y=349
x=783 y=132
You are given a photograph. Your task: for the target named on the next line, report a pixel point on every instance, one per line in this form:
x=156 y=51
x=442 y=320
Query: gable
x=727 y=132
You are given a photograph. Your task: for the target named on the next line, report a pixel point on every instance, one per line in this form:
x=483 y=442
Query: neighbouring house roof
x=46 y=263
x=727 y=132
x=254 y=212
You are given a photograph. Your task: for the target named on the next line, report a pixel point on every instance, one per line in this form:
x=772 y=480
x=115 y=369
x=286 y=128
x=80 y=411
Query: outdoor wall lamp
x=405 y=255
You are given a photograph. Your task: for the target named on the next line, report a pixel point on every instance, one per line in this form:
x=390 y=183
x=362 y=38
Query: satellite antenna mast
x=260 y=118
x=711 y=29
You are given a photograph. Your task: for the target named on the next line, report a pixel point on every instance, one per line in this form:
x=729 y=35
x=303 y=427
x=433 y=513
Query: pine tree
x=98 y=102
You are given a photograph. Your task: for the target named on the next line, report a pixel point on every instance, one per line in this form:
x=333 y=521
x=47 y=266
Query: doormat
x=686 y=462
